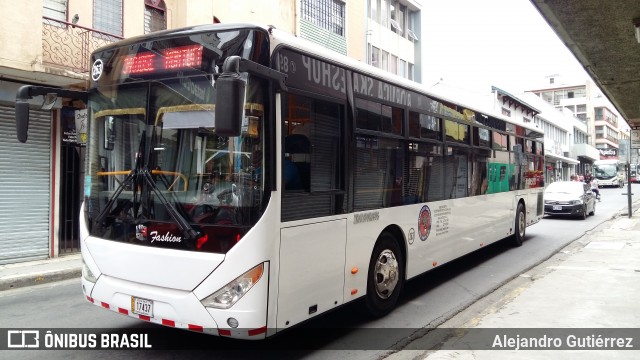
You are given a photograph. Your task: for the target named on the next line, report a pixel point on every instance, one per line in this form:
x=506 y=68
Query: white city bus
x=241 y=181
x=610 y=172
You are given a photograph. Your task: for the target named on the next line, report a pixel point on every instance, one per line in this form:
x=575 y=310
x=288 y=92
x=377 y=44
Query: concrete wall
x=280 y=13
x=20 y=34
x=356 y=25
x=21 y=28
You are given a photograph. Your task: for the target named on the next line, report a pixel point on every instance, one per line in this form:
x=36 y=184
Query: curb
x=19 y=281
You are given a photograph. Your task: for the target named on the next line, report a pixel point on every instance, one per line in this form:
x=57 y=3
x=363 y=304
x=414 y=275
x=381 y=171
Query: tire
x=520 y=226
x=385 y=277
x=584 y=212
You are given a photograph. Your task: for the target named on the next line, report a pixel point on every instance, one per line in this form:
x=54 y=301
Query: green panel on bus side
x=499 y=175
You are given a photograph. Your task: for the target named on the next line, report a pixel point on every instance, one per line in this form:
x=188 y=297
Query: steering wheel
x=227 y=196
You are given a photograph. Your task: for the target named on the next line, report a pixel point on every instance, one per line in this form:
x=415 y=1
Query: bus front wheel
x=521 y=225
x=385 y=276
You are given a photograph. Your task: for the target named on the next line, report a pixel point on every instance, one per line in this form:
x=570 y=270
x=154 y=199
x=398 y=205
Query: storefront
x=25 y=184
x=559 y=167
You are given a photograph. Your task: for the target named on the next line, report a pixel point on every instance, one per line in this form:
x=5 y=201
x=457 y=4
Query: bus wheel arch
x=520 y=225
x=386 y=273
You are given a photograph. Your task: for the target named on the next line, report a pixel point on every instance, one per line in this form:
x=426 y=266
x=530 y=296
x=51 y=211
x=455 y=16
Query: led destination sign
x=175 y=58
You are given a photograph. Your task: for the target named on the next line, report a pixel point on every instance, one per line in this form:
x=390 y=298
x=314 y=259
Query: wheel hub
x=521 y=224
x=386 y=274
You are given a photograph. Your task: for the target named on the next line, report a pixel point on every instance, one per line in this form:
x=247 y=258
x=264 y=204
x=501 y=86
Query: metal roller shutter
x=24 y=188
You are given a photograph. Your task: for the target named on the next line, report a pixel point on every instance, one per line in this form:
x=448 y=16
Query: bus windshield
x=158 y=173
x=605 y=171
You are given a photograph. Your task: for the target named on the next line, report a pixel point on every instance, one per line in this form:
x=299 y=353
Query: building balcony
x=67 y=47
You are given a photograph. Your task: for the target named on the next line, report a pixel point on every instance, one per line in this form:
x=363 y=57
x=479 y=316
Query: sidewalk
x=30 y=273
x=591 y=286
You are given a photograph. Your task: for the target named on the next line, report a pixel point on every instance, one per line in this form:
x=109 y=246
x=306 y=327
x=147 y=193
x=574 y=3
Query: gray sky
x=473 y=44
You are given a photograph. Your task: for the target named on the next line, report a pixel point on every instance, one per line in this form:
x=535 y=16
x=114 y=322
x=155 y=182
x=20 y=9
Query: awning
x=567 y=160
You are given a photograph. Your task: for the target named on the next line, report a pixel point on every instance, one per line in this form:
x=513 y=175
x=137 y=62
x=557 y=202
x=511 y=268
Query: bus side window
x=312 y=147
x=456 y=171
x=297 y=165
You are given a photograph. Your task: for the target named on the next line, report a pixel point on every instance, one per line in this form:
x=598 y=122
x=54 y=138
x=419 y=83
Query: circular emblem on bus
x=424 y=223
x=96 y=69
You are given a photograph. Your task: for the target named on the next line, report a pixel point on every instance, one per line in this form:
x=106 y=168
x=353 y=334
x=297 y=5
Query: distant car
x=569 y=198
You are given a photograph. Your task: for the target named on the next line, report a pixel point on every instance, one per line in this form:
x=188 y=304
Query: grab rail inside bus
x=153 y=172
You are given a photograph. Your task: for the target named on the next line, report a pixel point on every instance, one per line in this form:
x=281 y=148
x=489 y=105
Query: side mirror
x=27 y=92
x=230 y=88
x=22 y=120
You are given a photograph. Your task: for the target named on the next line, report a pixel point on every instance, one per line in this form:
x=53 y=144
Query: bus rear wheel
x=521 y=225
x=385 y=276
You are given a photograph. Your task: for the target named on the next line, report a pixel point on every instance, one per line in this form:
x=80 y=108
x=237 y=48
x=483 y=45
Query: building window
x=393 y=14
x=411 y=71
x=580 y=92
x=374 y=10
x=599 y=115
x=154 y=16
x=401 y=12
x=107 y=16
x=55 y=9
x=506 y=112
x=384 y=11
x=411 y=25
x=402 y=68
x=393 y=64
x=385 y=60
x=327 y=14
x=375 y=56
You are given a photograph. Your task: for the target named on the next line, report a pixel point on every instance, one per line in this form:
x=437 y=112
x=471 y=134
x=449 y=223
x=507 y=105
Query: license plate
x=142 y=306
x=557 y=207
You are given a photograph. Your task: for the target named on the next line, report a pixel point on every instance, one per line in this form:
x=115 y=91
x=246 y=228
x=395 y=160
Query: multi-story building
x=556 y=139
x=604 y=125
x=567 y=149
x=392 y=42
x=49 y=42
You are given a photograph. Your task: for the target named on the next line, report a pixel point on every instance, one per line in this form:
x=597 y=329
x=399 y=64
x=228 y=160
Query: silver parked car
x=569 y=198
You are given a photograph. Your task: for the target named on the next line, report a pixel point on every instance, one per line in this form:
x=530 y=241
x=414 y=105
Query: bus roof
x=281 y=37
x=185 y=31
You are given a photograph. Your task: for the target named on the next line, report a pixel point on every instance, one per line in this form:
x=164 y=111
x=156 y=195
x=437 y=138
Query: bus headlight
x=233 y=291
x=86 y=272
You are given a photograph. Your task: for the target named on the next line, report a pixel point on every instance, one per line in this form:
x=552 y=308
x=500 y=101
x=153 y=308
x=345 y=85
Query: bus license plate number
x=142 y=306
x=557 y=207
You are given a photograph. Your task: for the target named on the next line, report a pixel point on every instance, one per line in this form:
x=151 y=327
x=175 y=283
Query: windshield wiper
x=138 y=173
x=131 y=177
x=187 y=230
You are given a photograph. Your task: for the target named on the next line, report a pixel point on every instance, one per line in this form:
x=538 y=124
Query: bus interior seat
x=298 y=147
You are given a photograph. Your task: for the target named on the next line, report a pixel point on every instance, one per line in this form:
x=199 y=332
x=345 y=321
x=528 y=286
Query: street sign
x=635 y=139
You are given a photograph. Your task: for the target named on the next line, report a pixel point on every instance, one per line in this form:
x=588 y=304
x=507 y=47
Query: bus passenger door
x=313 y=234
x=311 y=279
